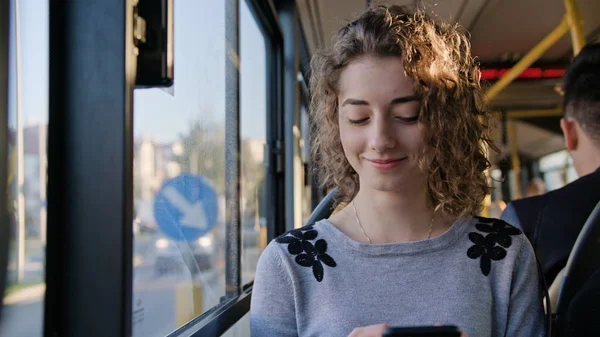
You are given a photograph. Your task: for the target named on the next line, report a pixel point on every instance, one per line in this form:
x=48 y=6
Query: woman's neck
x=388 y=217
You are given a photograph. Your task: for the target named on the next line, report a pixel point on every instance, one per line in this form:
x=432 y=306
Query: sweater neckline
x=398 y=248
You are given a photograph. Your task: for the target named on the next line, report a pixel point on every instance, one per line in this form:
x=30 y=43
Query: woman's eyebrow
x=397 y=100
x=354 y=101
x=404 y=99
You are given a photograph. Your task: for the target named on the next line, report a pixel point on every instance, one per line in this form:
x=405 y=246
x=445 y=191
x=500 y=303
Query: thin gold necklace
x=368 y=238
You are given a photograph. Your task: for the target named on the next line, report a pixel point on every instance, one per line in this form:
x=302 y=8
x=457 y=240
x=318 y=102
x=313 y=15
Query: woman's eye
x=357 y=121
x=407 y=120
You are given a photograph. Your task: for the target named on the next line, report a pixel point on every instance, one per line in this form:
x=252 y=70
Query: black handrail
x=583 y=262
x=324 y=208
x=219 y=319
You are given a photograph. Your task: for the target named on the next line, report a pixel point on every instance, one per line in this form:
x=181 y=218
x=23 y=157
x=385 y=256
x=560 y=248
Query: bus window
x=253 y=124
x=253 y=134
x=558 y=169
x=27 y=133
x=179 y=179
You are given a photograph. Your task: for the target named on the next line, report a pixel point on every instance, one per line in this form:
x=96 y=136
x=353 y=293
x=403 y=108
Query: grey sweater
x=480 y=275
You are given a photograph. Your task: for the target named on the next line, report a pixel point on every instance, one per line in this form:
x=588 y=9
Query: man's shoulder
x=575 y=197
x=531 y=203
x=579 y=188
x=525 y=212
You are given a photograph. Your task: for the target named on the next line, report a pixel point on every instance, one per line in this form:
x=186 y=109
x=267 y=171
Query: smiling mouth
x=386 y=164
x=386 y=161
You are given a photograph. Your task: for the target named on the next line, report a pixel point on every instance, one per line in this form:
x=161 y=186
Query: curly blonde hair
x=437 y=57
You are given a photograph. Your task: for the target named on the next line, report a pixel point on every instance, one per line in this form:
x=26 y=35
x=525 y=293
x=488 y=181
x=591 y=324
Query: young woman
x=401 y=132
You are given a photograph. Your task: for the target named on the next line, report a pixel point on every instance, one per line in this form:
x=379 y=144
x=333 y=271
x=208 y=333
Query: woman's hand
x=369 y=331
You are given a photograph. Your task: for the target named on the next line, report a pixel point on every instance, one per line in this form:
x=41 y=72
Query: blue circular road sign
x=186 y=207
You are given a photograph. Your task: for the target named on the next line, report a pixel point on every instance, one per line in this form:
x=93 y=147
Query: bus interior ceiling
x=502 y=32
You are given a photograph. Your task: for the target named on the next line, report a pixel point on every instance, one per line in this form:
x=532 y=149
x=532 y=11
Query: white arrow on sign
x=193 y=214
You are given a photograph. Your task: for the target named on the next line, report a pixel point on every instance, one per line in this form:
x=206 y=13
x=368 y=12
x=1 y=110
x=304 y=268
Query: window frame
x=4 y=223
x=90 y=232
x=287 y=14
x=267 y=21
x=233 y=232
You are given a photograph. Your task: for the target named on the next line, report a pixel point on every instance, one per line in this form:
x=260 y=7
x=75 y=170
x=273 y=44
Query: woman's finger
x=369 y=331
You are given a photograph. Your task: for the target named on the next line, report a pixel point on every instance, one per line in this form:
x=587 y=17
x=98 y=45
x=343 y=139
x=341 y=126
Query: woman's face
x=378 y=119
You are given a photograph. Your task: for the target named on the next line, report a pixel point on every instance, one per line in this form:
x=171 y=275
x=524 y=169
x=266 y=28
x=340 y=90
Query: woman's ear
x=569 y=130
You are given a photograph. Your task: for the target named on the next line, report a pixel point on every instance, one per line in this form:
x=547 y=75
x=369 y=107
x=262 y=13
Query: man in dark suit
x=553 y=221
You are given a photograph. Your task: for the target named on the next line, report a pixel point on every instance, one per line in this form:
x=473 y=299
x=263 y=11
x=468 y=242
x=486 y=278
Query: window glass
x=179 y=179
x=253 y=119
x=554 y=161
x=558 y=169
x=27 y=133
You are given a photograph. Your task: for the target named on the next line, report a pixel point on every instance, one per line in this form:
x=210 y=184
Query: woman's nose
x=382 y=136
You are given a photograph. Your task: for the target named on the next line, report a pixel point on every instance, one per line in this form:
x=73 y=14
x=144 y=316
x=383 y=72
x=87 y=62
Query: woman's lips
x=386 y=164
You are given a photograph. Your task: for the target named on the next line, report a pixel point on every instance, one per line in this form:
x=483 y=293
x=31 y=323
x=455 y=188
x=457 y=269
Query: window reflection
x=27 y=128
x=253 y=119
x=179 y=179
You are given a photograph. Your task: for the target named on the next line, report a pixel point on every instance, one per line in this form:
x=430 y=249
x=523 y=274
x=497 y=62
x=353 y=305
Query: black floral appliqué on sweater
x=492 y=246
x=308 y=254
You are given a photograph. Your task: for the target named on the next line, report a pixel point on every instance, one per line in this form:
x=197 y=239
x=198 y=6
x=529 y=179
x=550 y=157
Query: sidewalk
x=26 y=295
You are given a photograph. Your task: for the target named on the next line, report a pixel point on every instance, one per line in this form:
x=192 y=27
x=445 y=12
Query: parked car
x=170 y=254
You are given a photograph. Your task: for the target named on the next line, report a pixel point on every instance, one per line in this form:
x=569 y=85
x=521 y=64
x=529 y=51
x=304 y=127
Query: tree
x=204 y=153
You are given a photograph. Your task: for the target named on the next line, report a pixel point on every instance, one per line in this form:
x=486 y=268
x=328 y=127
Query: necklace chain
x=369 y=239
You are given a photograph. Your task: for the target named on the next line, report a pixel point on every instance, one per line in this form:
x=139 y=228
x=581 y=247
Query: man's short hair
x=581 y=85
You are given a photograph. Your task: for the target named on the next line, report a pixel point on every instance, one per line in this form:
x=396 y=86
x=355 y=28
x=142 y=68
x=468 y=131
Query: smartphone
x=423 y=331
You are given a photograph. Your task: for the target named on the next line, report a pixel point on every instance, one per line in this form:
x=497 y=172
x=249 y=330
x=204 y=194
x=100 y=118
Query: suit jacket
x=553 y=221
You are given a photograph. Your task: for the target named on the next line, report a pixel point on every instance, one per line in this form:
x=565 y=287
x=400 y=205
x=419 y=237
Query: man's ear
x=569 y=130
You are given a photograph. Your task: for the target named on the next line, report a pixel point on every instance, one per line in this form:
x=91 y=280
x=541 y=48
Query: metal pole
x=20 y=168
x=232 y=148
x=514 y=156
x=575 y=21
x=535 y=113
x=532 y=56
